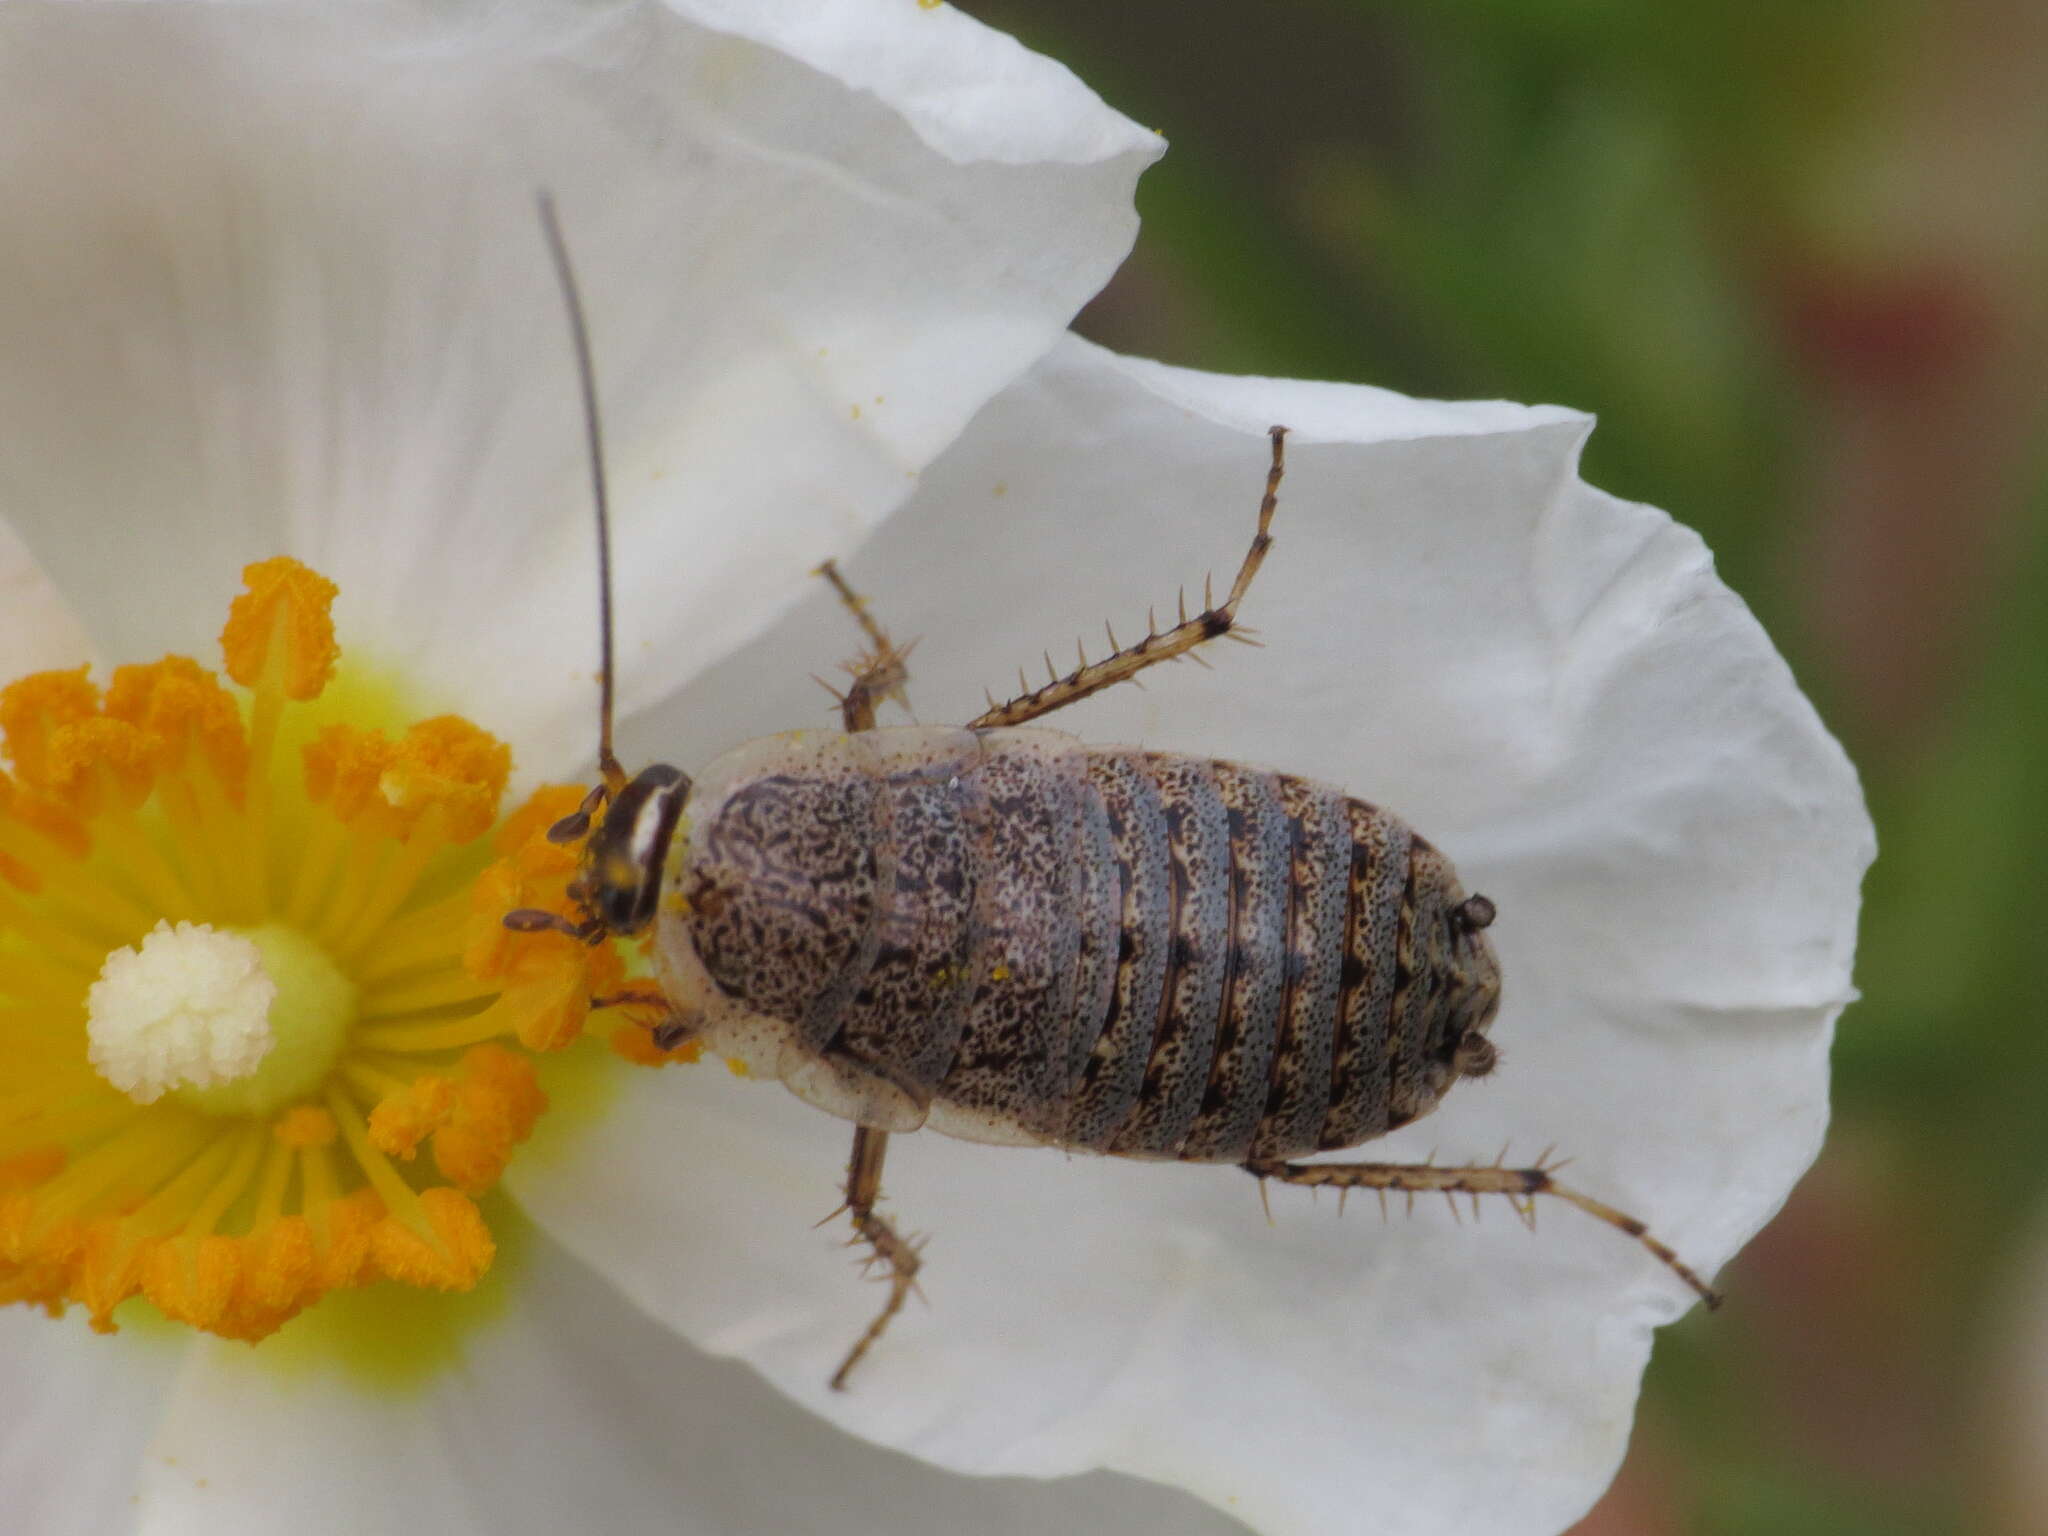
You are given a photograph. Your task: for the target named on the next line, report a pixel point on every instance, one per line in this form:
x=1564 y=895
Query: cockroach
x=1001 y=933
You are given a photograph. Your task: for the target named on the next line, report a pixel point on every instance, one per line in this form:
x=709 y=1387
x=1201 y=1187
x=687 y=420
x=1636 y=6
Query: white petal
x=571 y=1411
x=1551 y=685
x=278 y=284
x=77 y=1413
x=38 y=630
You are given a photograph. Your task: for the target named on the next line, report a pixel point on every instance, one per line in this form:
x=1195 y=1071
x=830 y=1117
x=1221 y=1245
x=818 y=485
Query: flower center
x=266 y=1035
x=237 y=1023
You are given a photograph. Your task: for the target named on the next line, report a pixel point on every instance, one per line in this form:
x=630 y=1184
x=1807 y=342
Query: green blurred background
x=1795 y=255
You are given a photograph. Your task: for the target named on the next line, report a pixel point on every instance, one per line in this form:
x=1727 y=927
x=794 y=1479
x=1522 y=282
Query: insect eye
x=1476 y=1055
x=1473 y=914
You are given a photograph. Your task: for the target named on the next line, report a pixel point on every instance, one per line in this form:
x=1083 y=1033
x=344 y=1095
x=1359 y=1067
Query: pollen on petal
x=283 y=620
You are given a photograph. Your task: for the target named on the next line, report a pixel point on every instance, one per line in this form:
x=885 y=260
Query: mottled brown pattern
x=784 y=895
x=907 y=1014
x=1013 y=1050
x=1255 y=971
x=1105 y=949
x=1361 y=1051
x=1101 y=918
x=1116 y=1064
x=1422 y=1005
x=1198 y=840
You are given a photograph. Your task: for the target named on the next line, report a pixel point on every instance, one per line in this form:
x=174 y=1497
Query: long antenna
x=586 y=374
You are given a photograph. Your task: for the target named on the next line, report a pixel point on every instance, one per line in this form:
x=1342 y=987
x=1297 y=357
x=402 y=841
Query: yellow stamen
x=282 y=627
x=352 y=856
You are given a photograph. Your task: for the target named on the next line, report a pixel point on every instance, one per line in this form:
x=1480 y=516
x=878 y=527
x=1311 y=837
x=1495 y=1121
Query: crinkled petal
x=572 y=1411
x=75 y=1419
x=1555 y=688
x=277 y=284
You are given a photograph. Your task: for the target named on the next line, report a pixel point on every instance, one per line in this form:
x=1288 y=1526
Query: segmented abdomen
x=1136 y=953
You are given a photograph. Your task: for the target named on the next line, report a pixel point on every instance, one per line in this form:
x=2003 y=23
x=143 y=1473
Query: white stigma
x=187 y=1007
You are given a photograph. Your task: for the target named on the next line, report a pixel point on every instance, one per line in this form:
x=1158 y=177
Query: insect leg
x=863 y=1189
x=879 y=672
x=1520 y=1185
x=1158 y=645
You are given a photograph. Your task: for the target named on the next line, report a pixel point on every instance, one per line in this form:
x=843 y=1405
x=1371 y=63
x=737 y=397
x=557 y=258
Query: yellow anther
x=228 y=1208
x=525 y=830
x=282 y=622
x=193 y=1282
x=403 y=1120
x=100 y=764
x=496 y=1104
x=280 y=1264
x=47 y=818
x=448 y=763
x=36 y=707
x=342 y=1253
x=456 y=1256
x=345 y=768
x=186 y=711
x=635 y=1043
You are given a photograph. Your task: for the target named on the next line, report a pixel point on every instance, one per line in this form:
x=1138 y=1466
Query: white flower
x=273 y=283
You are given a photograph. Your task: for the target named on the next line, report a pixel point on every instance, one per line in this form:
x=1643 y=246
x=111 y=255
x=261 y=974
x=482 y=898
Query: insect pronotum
x=1000 y=933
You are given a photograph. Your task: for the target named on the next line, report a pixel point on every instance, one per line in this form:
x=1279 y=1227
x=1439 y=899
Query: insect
x=1003 y=934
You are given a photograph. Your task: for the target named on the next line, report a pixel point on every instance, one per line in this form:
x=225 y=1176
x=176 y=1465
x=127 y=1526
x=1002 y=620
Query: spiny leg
x=879 y=672
x=1214 y=621
x=863 y=1189
x=1520 y=1185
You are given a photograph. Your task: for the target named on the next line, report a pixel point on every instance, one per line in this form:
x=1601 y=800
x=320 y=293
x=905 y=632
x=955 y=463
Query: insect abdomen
x=1032 y=940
